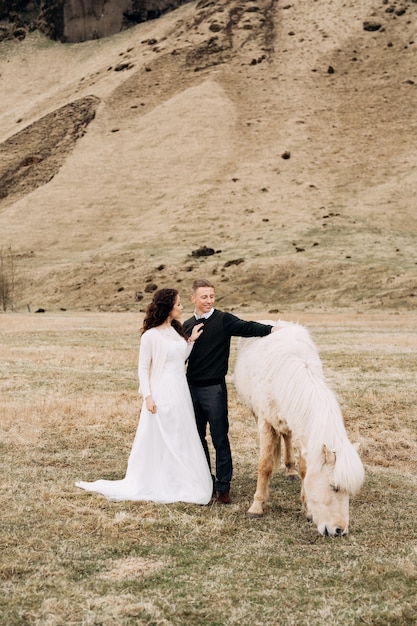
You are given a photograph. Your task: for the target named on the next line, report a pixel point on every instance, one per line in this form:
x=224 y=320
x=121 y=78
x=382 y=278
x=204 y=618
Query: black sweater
x=209 y=358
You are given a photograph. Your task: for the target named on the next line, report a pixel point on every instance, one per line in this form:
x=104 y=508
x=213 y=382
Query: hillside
x=268 y=145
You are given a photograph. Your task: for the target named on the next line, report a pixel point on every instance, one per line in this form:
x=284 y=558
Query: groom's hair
x=202 y=282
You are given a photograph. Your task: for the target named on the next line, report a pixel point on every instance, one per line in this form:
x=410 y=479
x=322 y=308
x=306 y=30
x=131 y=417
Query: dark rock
x=203 y=251
x=19 y=33
x=151 y=287
x=18 y=12
x=215 y=27
x=123 y=66
x=234 y=262
x=371 y=26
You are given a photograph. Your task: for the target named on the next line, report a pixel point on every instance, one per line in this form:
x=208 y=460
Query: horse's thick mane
x=294 y=381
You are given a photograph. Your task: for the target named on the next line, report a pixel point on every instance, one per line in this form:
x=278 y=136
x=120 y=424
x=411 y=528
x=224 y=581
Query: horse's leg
x=304 y=504
x=269 y=443
x=291 y=472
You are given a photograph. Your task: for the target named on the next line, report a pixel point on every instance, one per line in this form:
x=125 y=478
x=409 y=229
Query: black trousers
x=210 y=407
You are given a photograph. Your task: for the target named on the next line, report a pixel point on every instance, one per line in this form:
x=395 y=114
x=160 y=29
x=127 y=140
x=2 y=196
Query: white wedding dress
x=167 y=462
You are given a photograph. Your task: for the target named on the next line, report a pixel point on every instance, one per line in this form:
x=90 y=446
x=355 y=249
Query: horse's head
x=325 y=497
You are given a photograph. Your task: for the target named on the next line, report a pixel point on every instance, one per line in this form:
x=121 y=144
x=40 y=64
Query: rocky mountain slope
x=268 y=145
x=77 y=20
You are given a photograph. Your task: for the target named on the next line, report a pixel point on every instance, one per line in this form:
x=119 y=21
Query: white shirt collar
x=205 y=316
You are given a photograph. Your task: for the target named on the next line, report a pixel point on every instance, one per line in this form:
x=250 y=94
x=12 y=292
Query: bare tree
x=7 y=278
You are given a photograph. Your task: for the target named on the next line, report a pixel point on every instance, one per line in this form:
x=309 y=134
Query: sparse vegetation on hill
x=278 y=135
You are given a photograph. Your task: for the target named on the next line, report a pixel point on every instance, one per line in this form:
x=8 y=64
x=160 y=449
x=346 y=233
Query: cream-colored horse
x=280 y=378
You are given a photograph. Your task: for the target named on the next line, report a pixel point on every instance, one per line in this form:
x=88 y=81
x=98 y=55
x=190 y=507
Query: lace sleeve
x=190 y=346
x=144 y=366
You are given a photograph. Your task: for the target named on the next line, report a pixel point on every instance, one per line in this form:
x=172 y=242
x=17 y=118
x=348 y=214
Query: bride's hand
x=197 y=330
x=150 y=404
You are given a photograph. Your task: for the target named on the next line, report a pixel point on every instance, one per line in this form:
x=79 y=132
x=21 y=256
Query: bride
x=167 y=462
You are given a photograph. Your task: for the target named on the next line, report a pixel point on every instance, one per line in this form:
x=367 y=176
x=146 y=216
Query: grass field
x=69 y=410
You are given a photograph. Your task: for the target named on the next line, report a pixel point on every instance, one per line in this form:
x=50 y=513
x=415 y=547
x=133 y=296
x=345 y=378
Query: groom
x=206 y=373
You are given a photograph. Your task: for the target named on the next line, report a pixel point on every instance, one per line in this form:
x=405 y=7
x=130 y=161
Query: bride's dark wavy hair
x=158 y=310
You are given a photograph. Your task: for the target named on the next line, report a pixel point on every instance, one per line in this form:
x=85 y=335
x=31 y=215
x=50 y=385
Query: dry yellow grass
x=69 y=410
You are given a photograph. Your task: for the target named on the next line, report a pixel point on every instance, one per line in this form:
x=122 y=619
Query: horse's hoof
x=293 y=477
x=254 y=515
